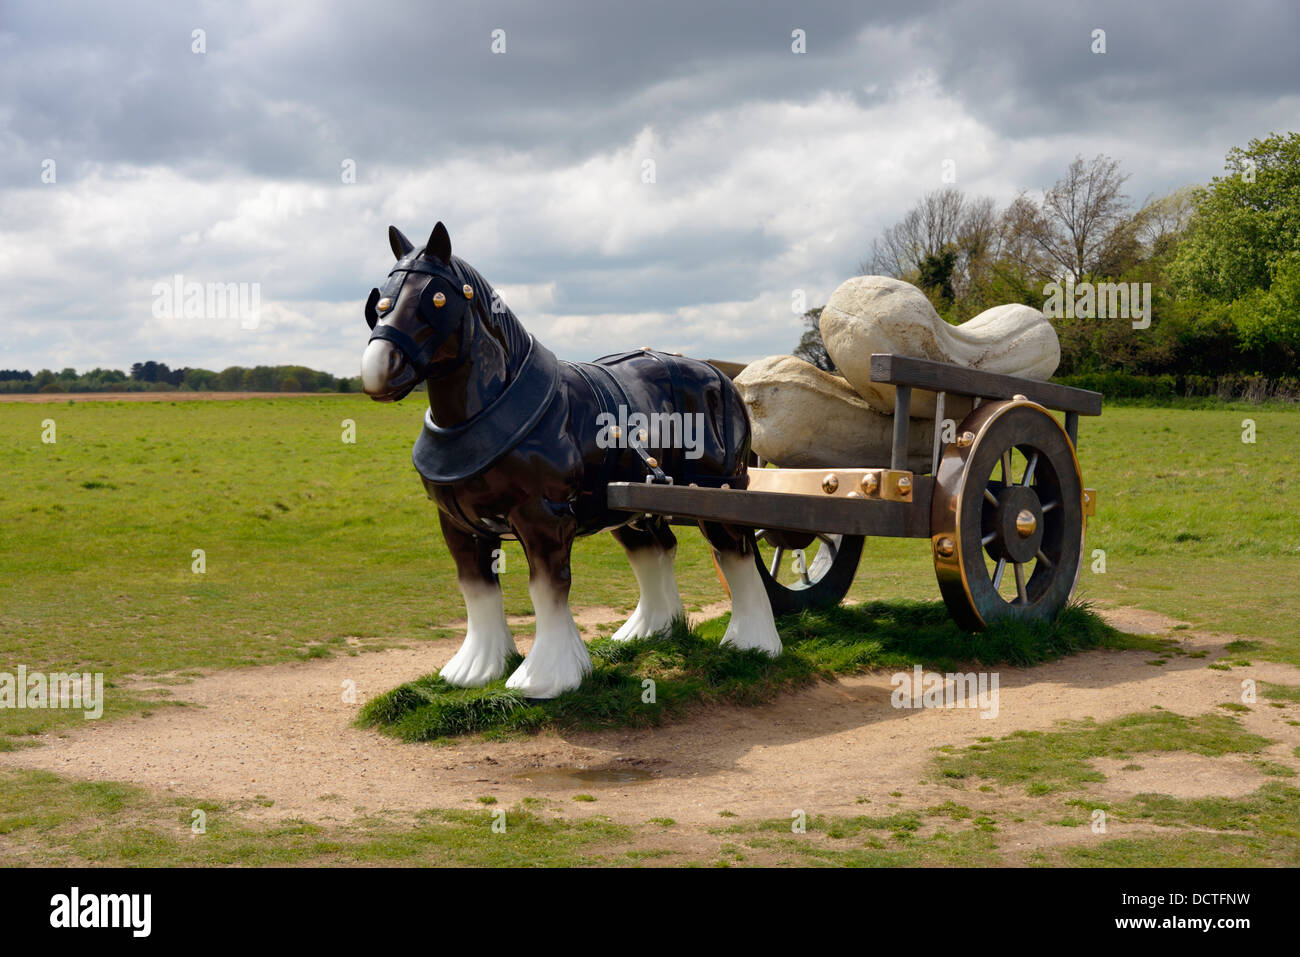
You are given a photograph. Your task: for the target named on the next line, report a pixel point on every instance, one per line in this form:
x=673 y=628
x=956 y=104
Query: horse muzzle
x=386 y=375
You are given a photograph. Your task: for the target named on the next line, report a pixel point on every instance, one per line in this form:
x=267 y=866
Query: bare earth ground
x=153 y=396
x=283 y=732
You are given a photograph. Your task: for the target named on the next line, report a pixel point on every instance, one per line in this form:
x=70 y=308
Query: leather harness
x=448 y=455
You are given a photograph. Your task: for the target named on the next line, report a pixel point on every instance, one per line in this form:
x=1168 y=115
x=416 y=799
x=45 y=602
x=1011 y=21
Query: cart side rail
x=781 y=510
x=959 y=380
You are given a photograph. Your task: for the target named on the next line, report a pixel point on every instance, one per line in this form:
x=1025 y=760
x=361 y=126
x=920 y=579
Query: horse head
x=419 y=319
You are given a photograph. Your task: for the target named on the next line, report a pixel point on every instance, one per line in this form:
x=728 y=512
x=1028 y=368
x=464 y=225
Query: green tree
x=811 y=348
x=1246 y=222
x=1268 y=320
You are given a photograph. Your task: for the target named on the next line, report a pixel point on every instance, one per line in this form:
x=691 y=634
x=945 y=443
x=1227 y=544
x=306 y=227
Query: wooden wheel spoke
x=990 y=537
x=775 y=568
x=1029 y=469
x=997 y=574
x=1043 y=558
x=828 y=541
x=990 y=498
x=1020 y=583
x=1006 y=468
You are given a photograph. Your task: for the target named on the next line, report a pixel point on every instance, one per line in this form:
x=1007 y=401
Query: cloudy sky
x=772 y=170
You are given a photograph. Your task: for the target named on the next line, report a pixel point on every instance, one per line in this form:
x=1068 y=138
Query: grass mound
x=642 y=682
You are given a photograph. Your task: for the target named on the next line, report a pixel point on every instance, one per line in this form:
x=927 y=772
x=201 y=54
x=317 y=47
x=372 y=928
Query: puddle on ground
x=567 y=777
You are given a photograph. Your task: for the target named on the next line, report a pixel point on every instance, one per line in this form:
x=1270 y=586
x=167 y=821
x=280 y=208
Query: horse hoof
x=770 y=645
x=551 y=673
x=472 y=670
x=648 y=624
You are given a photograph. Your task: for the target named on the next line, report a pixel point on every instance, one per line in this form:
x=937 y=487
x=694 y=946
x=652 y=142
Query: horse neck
x=496 y=345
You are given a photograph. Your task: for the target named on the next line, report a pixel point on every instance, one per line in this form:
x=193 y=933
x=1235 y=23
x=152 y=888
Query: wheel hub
x=1018 y=521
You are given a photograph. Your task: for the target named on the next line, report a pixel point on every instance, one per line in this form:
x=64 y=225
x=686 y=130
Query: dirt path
x=284 y=733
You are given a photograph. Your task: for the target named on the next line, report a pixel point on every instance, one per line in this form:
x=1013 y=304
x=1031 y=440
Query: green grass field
x=314 y=546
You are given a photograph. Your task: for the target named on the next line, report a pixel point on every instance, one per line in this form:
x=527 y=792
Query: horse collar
x=448 y=455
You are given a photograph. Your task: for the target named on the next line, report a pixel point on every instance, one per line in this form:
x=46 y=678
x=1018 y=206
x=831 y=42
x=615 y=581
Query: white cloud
x=751 y=201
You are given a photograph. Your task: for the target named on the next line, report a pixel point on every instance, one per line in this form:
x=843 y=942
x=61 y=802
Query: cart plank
x=946 y=377
x=783 y=510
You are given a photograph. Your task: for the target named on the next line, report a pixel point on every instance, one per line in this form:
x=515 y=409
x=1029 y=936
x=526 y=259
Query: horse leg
x=650 y=552
x=751 y=625
x=558 y=660
x=488 y=643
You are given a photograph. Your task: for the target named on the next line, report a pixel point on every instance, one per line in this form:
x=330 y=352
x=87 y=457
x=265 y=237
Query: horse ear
x=439 y=245
x=401 y=245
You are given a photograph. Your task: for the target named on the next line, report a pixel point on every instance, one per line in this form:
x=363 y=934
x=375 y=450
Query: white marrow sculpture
x=804 y=417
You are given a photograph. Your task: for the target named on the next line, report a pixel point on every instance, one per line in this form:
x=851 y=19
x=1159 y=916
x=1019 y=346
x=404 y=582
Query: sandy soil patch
x=1179 y=775
x=284 y=732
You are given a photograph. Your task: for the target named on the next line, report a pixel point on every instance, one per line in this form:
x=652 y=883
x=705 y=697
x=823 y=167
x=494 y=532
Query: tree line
x=158 y=377
x=1222 y=260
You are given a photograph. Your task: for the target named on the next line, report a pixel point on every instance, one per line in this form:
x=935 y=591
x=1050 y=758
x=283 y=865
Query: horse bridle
x=421 y=356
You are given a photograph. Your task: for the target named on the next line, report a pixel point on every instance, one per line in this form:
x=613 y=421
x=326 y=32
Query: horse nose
x=381 y=367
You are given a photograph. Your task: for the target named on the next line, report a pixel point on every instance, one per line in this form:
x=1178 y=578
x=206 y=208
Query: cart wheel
x=1008 y=546
x=805 y=571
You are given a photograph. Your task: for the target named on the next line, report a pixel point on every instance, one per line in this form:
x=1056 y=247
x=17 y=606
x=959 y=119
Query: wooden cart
x=1003 y=505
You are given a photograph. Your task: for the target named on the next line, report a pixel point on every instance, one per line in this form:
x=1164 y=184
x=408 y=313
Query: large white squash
x=877 y=314
x=804 y=417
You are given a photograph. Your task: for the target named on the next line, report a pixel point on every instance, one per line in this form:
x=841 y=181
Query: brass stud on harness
x=652 y=462
x=468 y=290
x=384 y=304
x=869 y=483
x=439 y=300
x=904 y=485
x=830 y=483
x=946 y=547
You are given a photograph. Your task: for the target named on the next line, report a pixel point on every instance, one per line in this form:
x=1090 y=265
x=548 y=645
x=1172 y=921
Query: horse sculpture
x=519 y=444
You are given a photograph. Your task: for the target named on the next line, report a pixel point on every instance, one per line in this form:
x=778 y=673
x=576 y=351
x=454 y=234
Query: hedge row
x=1247 y=388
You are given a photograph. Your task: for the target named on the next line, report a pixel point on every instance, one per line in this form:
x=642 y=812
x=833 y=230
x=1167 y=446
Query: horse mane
x=503 y=324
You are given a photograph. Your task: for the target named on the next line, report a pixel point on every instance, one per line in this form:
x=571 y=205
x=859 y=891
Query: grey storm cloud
x=774 y=170
x=286 y=88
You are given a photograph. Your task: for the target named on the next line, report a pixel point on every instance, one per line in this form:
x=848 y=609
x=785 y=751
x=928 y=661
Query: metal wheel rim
x=970 y=517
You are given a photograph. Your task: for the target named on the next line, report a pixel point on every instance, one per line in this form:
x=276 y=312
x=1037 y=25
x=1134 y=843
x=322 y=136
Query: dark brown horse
x=518 y=444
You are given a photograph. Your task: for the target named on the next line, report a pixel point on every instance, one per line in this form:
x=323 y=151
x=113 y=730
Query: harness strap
x=419 y=356
x=600 y=387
